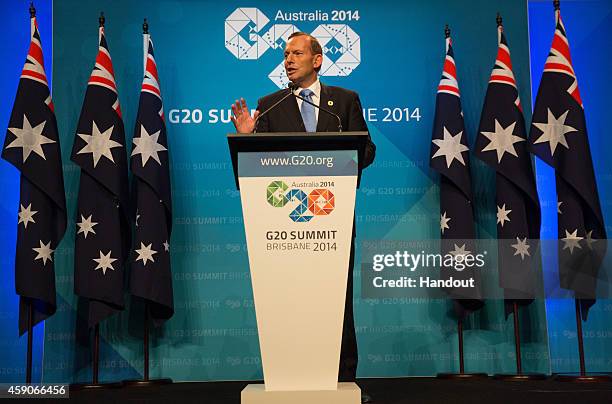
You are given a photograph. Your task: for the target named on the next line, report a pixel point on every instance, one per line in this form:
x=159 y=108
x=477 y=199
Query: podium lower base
x=347 y=393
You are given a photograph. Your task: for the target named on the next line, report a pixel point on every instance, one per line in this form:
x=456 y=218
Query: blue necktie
x=308 y=111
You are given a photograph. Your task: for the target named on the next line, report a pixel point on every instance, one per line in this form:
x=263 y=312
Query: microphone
x=292 y=87
x=321 y=109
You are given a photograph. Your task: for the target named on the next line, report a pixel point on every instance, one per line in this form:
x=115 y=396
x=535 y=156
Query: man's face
x=300 y=62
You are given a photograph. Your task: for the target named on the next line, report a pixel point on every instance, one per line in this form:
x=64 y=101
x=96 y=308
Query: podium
x=298 y=197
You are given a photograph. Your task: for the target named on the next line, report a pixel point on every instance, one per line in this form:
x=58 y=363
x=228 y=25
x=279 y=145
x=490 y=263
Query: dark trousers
x=348 y=349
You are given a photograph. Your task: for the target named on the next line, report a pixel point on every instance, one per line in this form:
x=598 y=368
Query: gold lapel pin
x=330 y=103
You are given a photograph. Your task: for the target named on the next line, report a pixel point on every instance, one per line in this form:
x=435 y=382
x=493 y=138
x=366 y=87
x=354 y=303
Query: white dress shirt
x=316 y=97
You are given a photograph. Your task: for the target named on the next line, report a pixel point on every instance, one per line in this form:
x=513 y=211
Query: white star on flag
x=502 y=215
x=145 y=253
x=105 y=262
x=86 y=226
x=26 y=215
x=166 y=246
x=590 y=240
x=147 y=146
x=98 y=144
x=521 y=248
x=30 y=139
x=554 y=131
x=444 y=222
x=459 y=251
x=502 y=140
x=450 y=147
x=571 y=241
x=44 y=252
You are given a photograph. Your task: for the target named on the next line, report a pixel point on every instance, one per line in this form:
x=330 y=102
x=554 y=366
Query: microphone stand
x=290 y=88
x=322 y=109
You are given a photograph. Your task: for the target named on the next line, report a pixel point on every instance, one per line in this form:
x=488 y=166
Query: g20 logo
x=319 y=202
x=246 y=39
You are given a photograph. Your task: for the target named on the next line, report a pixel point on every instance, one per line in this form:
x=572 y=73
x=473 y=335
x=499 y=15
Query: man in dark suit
x=303 y=60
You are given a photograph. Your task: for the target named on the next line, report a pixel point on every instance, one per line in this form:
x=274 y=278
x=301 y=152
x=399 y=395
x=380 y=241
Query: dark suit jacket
x=286 y=117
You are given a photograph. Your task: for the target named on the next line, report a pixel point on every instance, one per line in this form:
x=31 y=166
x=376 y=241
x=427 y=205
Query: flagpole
x=580 y=340
x=519 y=376
x=29 y=300
x=517 y=339
x=146 y=343
x=95 y=368
x=146 y=381
x=96 y=354
x=30 y=330
x=461 y=374
x=460 y=337
x=582 y=376
x=95 y=384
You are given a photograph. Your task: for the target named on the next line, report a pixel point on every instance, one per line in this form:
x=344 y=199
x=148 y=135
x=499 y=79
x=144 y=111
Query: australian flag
x=450 y=157
x=32 y=146
x=102 y=239
x=151 y=277
x=559 y=137
x=502 y=144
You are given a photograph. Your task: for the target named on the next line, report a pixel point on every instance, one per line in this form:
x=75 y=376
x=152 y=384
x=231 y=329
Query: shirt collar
x=315 y=87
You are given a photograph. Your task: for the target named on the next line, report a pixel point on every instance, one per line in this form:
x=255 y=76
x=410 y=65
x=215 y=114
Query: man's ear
x=318 y=61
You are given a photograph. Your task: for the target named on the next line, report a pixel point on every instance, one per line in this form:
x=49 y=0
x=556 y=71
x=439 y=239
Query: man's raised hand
x=241 y=117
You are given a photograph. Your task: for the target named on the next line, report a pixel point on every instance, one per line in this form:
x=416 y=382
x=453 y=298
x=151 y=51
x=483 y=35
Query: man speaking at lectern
x=303 y=59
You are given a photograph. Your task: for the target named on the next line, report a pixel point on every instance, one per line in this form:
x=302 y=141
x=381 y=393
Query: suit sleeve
x=263 y=124
x=357 y=123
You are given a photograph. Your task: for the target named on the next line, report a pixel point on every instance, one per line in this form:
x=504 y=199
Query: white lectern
x=298 y=199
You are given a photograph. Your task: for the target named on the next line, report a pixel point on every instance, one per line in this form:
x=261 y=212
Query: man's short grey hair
x=315 y=46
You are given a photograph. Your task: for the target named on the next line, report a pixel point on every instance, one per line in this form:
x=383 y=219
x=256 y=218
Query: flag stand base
x=461 y=375
x=586 y=378
x=581 y=377
x=523 y=377
x=519 y=376
x=94 y=386
x=146 y=383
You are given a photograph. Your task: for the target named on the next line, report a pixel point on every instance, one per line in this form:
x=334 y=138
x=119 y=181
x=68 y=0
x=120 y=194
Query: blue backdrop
x=394 y=61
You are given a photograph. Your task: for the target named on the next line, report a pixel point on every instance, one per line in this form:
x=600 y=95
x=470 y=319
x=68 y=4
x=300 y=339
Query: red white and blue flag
x=449 y=156
x=151 y=276
x=32 y=145
x=502 y=144
x=558 y=136
x=102 y=239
